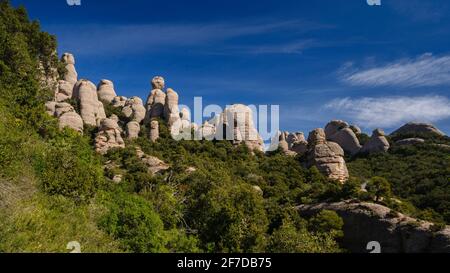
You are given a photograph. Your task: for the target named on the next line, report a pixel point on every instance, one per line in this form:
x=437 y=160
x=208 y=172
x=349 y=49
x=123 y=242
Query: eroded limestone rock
x=377 y=143
x=92 y=110
x=105 y=91
x=108 y=137
x=327 y=156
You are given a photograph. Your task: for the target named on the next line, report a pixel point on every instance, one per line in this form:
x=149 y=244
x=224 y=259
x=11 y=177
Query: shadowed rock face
x=397 y=233
x=415 y=128
x=327 y=156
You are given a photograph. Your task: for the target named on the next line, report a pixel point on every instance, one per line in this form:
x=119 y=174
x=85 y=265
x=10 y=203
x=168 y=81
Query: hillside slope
x=161 y=195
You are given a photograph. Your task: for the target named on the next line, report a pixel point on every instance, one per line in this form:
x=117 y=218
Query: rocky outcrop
x=91 y=108
x=134 y=109
x=67 y=117
x=293 y=138
x=158 y=82
x=71 y=120
x=377 y=143
x=65 y=86
x=62 y=108
x=154 y=164
x=155 y=104
x=108 y=137
x=105 y=91
x=410 y=141
x=206 y=131
x=64 y=91
x=171 y=110
x=291 y=144
x=418 y=128
x=119 y=101
x=154 y=131
x=239 y=125
x=356 y=129
x=327 y=156
x=297 y=143
x=396 y=233
x=71 y=74
x=50 y=107
x=335 y=126
x=283 y=145
x=340 y=132
x=156 y=99
x=133 y=129
x=234 y=124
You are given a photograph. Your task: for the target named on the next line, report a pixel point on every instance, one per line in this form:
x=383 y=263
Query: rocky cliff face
x=105 y=91
x=340 y=132
x=91 y=109
x=160 y=105
x=327 y=156
x=377 y=143
x=396 y=233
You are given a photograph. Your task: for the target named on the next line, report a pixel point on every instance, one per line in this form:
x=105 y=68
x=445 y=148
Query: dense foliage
x=215 y=197
x=418 y=174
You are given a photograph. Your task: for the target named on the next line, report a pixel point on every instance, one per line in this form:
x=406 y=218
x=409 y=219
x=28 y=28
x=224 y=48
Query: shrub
x=132 y=220
x=289 y=239
x=231 y=218
x=379 y=188
x=69 y=167
x=327 y=221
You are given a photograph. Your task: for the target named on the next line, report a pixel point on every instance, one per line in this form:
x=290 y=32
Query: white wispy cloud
x=95 y=39
x=423 y=71
x=295 y=47
x=388 y=112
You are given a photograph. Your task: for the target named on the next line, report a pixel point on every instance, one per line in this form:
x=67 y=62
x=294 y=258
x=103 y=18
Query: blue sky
x=376 y=66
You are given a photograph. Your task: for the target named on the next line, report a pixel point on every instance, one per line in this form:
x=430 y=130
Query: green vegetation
x=379 y=188
x=419 y=175
x=215 y=197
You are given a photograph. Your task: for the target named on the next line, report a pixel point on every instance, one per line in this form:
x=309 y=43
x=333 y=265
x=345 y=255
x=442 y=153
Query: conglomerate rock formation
x=327 y=156
x=91 y=109
x=340 y=132
x=417 y=128
x=109 y=136
x=79 y=103
x=377 y=143
x=105 y=91
x=396 y=233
